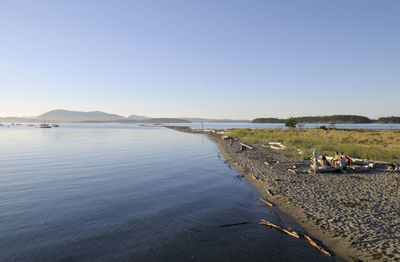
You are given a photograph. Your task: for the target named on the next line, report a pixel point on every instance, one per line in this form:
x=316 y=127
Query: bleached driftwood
x=314 y=244
x=266 y=202
x=277 y=145
x=284 y=230
x=247 y=146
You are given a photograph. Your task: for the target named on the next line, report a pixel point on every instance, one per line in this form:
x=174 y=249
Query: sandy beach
x=356 y=215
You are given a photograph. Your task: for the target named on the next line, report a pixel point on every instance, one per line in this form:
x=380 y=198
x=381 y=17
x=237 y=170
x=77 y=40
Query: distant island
x=269 y=120
x=335 y=119
x=389 y=120
x=67 y=116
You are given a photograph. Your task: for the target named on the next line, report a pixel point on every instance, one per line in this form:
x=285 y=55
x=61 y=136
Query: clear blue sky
x=204 y=58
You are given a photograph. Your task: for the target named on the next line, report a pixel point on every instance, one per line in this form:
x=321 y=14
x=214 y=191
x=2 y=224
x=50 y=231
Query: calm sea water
x=130 y=193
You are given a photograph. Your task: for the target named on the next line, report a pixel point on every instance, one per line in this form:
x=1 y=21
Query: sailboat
x=45 y=125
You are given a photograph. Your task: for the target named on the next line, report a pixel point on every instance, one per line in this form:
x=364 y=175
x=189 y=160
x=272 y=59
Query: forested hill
x=389 y=120
x=348 y=119
x=268 y=120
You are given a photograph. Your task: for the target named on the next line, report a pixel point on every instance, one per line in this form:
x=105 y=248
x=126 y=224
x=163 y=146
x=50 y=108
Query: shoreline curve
x=340 y=210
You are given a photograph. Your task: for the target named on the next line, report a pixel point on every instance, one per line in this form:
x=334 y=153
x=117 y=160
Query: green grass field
x=383 y=145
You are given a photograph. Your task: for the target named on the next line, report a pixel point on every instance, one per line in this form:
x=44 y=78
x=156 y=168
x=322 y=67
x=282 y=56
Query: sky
x=206 y=58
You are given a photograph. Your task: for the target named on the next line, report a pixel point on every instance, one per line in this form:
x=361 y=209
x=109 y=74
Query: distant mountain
x=207 y=120
x=99 y=117
x=76 y=116
x=136 y=117
x=144 y=121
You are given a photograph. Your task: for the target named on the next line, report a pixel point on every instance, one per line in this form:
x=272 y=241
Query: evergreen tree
x=291 y=123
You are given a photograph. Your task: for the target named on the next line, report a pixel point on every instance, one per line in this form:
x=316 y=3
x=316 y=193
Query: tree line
x=335 y=119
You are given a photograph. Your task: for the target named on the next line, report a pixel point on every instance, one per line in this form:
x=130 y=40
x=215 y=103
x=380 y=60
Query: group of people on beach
x=341 y=161
x=338 y=161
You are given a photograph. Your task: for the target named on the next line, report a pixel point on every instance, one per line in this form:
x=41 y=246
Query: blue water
x=130 y=193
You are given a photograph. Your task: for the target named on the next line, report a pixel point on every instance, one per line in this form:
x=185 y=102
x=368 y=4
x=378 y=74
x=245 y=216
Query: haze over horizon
x=207 y=59
x=177 y=117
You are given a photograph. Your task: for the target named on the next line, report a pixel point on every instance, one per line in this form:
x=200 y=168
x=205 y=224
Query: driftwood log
x=295 y=234
x=247 y=146
x=235 y=224
x=266 y=202
x=314 y=244
x=284 y=230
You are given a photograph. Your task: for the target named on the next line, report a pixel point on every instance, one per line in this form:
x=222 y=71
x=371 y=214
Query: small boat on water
x=45 y=125
x=55 y=125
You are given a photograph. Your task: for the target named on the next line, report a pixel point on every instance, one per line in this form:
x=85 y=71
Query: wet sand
x=356 y=215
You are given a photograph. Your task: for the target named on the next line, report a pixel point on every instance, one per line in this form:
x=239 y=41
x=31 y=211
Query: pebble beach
x=356 y=215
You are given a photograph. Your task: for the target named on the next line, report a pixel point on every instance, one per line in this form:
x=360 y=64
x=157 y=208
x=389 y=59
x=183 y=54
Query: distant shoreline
x=68 y=116
x=332 y=120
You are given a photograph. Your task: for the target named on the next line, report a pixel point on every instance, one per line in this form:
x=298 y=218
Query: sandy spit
x=356 y=215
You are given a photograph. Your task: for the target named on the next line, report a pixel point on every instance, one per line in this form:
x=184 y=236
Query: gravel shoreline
x=356 y=215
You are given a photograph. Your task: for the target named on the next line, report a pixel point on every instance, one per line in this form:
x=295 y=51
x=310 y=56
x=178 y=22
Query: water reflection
x=129 y=193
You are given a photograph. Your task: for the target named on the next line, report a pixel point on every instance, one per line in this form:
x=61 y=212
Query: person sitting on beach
x=335 y=160
x=324 y=163
x=342 y=163
x=315 y=164
x=347 y=159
